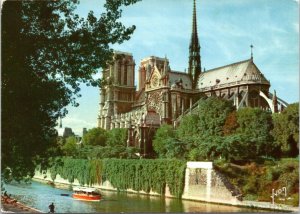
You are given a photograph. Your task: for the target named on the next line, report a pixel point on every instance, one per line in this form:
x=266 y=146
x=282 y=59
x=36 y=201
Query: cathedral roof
x=176 y=76
x=244 y=72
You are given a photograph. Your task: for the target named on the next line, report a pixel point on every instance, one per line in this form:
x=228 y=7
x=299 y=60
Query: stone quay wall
x=202 y=183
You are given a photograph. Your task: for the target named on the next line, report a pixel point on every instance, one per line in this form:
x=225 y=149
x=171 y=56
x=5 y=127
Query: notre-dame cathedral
x=164 y=95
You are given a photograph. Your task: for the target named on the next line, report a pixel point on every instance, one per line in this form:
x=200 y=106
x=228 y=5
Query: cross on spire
x=251 y=46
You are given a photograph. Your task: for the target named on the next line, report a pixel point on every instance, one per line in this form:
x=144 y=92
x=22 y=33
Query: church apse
x=164 y=96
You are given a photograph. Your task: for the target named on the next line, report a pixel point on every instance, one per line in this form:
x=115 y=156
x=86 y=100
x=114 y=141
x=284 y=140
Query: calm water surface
x=39 y=196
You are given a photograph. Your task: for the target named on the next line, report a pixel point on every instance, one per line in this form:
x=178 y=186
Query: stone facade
x=118 y=95
x=164 y=95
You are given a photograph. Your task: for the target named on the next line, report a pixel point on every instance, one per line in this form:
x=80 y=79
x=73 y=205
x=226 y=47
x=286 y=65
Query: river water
x=39 y=196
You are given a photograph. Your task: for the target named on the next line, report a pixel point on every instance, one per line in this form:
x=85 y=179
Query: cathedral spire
x=194 y=69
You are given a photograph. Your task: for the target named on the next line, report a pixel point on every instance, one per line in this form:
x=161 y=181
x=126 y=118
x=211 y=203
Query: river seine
x=39 y=196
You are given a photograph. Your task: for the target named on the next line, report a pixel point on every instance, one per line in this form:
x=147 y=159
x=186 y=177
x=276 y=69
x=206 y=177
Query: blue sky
x=226 y=29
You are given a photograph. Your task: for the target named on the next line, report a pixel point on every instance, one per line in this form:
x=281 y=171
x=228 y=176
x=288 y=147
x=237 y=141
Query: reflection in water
x=40 y=195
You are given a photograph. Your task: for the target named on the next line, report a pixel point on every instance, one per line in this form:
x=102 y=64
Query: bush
x=257 y=181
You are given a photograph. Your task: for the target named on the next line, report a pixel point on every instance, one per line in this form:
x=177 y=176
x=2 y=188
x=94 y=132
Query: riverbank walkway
x=10 y=205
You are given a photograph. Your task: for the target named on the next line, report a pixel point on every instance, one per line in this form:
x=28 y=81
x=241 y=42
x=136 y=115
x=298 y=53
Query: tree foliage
x=217 y=130
x=202 y=131
x=286 y=130
x=212 y=114
x=188 y=130
x=47 y=51
x=99 y=143
x=85 y=171
x=231 y=124
x=95 y=136
x=108 y=152
x=70 y=148
x=257 y=181
x=140 y=175
x=255 y=126
x=166 y=144
x=163 y=135
x=146 y=175
x=117 y=137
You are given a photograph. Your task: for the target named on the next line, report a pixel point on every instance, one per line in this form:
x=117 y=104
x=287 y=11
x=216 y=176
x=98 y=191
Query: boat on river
x=86 y=194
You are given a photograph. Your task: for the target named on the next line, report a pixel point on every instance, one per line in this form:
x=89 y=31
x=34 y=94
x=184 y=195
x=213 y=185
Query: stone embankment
x=202 y=183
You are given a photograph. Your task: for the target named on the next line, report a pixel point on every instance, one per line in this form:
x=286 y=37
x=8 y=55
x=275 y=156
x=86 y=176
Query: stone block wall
x=203 y=183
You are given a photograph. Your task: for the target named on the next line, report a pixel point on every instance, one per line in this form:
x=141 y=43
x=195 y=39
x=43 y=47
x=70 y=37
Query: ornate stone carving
x=154 y=81
x=154 y=101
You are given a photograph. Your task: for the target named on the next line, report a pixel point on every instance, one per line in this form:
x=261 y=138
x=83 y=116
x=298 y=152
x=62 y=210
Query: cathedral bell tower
x=117 y=95
x=194 y=69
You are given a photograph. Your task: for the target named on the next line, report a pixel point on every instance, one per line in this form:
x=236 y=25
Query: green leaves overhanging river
x=140 y=175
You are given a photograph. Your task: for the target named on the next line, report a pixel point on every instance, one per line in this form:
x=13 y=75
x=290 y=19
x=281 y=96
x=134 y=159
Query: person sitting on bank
x=51 y=208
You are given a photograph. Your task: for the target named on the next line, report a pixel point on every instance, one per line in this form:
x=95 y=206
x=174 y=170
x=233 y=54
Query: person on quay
x=51 y=208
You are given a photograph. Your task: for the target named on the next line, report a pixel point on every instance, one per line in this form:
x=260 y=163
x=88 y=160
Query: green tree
x=115 y=145
x=95 y=137
x=212 y=114
x=238 y=147
x=255 y=126
x=286 y=130
x=70 y=148
x=163 y=136
x=231 y=124
x=188 y=130
x=175 y=149
x=47 y=52
x=208 y=148
x=166 y=145
x=117 y=137
x=202 y=131
x=85 y=151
